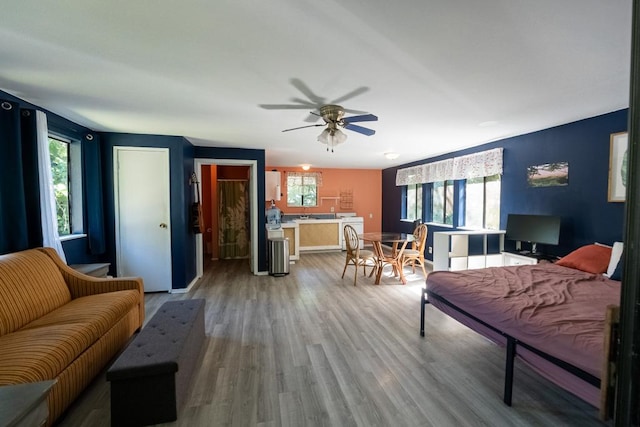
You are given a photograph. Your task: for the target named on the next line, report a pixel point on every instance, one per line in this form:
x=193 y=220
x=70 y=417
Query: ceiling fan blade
x=350 y=95
x=302 y=127
x=299 y=84
x=363 y=118
x=284 y=107
x=303 y=102
x=312 y=117
x=359 y=129
x=350 y=111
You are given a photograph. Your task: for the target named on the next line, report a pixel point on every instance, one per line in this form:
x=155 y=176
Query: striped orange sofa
x=58 y=324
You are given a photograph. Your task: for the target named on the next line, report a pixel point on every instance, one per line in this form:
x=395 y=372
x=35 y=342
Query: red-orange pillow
x=589 y=258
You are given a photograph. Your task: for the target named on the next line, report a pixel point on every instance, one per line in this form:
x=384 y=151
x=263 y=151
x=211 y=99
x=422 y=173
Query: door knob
x=163 y=225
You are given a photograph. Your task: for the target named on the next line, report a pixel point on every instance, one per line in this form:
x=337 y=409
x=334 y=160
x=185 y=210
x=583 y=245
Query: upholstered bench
x=150 y=379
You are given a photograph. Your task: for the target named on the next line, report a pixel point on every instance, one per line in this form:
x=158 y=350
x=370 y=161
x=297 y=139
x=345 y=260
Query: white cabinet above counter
x=272 y=189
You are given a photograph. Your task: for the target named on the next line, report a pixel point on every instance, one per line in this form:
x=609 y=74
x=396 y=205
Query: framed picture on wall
x=548 y=175
x=618 y=166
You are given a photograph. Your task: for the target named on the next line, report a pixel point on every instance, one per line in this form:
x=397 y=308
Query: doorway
x=142 y=215
x=252 y=214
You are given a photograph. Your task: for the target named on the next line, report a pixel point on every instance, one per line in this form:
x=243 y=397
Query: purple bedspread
x=555 y=309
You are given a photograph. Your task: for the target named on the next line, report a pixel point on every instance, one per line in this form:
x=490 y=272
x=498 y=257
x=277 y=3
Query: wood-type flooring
x=310 y=349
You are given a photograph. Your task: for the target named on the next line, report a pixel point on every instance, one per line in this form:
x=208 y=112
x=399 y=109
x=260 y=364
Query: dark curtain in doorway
x=233 y=213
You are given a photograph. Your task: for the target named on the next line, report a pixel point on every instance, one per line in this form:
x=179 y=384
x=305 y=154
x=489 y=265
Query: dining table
x=398 y=243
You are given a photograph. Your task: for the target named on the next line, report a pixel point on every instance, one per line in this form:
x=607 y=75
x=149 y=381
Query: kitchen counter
x=313 y=234
x=320 y=234
x=292 y=232
x=304 y=217
x=288 y=230
x=318 y=221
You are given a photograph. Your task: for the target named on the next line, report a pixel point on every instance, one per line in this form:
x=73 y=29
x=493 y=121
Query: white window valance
x=302 y=178
x=438 y=171
x=408 y=176
x=476 y=165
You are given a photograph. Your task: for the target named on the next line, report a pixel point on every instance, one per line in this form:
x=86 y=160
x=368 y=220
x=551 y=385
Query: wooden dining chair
x=382 y=260
x=416 y=253
x=356 y=256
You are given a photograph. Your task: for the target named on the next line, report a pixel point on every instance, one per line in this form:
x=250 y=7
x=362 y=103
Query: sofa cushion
x=99 y=311
x=45 y=347
x=42 y=353
x=31 y=286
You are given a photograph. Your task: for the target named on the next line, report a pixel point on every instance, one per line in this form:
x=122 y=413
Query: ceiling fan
x=333 y=116
x=313 y=101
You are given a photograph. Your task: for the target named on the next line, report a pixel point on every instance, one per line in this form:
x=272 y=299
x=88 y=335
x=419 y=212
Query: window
x=482 y=202
x=302 y=189
x=414 y=202
x=64 y=156
x=442 y=202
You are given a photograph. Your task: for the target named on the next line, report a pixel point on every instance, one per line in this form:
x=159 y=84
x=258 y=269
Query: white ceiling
x=440 y=74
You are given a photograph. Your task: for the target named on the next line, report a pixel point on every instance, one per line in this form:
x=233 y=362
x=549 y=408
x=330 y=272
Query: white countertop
x=318 y=221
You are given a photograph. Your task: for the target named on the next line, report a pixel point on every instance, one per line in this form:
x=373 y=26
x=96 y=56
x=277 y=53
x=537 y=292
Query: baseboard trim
x=187 y=289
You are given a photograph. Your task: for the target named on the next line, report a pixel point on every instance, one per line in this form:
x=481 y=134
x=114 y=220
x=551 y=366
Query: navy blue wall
x=181 y=167
x=182 y=155
x=245 y=154
x=586 y=214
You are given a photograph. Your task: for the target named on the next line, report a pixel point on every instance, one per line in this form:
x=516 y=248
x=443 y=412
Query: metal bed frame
x=511 y=348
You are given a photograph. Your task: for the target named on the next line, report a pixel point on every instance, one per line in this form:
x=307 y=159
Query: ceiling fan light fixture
x=332 y=137
x=324 y=136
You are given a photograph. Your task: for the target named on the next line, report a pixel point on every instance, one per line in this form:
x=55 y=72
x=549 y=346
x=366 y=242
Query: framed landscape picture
x=548 y=175
x=618 y=166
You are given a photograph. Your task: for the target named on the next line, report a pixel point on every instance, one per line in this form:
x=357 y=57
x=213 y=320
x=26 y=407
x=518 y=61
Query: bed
x=550 y=315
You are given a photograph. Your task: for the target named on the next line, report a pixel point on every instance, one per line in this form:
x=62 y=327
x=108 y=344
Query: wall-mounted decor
x=548 y=175
x=618 y=166
x=346 y=199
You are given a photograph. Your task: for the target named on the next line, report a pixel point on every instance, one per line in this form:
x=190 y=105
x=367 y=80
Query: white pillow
x=616 y=253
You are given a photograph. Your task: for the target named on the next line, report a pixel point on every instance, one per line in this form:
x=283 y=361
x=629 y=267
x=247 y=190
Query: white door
x=143 y=226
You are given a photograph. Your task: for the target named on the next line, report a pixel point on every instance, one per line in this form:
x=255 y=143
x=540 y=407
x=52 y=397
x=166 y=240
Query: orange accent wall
x=233 y=172
x=206 y=209
x=210 y=210
x=367 y=193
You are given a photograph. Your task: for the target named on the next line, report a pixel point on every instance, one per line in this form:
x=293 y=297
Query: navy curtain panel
x=16 y=204
x=93 y=193
x=20 y=222
x=29 y=138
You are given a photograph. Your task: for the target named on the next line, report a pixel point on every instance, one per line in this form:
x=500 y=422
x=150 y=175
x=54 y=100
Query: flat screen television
x=543 y=229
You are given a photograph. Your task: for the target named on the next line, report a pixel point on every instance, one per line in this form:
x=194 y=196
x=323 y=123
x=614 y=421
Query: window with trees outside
x=414 y=202
x=67 y=184
x=482 y=203
x=302 y=189
x=442 y=202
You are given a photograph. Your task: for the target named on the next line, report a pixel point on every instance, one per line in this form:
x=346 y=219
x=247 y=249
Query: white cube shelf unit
x=509 y=258
x=451 y=250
